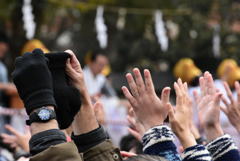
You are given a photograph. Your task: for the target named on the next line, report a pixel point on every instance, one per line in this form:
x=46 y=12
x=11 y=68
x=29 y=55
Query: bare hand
x=209 y=107
x=150 y=110
x=135 y=127
x=232 y=109
x=17 y=139
x=180 y=117
x=86 y=114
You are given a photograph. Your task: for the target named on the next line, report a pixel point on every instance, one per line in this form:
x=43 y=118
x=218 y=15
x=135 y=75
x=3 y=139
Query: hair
x=128 y=142
x=144 y=157
x=94 y=54
x=3 y=38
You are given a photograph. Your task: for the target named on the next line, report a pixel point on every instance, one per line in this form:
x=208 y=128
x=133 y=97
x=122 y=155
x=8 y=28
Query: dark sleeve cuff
x=90 y=139
x=43 y=140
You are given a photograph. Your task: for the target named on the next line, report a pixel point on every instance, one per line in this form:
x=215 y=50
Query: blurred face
x=3 y=49
x=98 y=65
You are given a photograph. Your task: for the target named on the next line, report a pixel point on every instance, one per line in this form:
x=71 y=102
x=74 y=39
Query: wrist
x=82 y=119
x=187 y=139
x=238 y=128
x=150 y=124
x=213 y=132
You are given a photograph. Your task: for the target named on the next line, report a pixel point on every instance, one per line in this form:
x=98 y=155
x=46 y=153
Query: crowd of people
x=68 y=109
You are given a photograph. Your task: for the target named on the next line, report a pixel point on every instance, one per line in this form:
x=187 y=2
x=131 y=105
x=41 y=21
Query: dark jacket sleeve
x=94 y=146
x=60 y=152
x=104 y=151
x=223 y=149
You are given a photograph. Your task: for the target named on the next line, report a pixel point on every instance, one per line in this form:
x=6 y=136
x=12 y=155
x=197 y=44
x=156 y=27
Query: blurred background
x=206 y=31
x=153 y=34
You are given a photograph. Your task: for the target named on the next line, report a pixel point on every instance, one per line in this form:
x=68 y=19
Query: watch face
x=44 y=114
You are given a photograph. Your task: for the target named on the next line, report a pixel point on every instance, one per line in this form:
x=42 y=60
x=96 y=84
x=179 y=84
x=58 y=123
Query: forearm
x=213 y=132
x=45 y=135
x=84 y=121
x=60 y=152
x=94 y=144
x=90 y=139
x=237 y=127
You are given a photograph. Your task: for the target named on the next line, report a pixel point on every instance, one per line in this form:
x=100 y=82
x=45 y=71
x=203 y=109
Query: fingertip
x=135 y=69
x=179 y=80
x=128 y=75
x=123 y=87
x=69 y=51
x=175 y=84
x=146 y=72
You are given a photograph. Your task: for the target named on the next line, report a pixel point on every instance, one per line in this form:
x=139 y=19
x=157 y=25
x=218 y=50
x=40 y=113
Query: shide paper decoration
x=101 y=28
x=161 y=31
x=28 y=19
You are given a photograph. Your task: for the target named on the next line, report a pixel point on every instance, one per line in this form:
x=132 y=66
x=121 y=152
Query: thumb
x=217 y=99
x=196 y=96
x=171 y=112
x=98 y=106
x=12 y=130
x=69 y=69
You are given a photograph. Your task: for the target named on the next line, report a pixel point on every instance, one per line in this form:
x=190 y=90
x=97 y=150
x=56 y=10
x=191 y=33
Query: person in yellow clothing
x=229 y=71
x=186 y=69
x=30 y=45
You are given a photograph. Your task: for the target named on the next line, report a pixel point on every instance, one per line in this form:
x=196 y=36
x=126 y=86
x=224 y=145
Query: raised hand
x=17 y=139
x=86 y=115
x=232 y=109
x=150 y=110
x=135 y=127
x=180 y=118
x=209 y=107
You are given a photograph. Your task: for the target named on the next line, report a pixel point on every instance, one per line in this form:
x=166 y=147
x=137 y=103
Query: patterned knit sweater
x=159 y=141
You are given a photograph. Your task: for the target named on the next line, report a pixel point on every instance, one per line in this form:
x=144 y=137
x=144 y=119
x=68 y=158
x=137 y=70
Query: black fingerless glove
x=33 y=80
x=67 y=97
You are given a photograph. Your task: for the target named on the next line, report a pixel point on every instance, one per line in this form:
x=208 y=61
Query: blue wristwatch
x=42 y=114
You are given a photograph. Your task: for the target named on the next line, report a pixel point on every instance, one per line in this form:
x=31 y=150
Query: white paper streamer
x=216 y=41
x=101 y=28
x=28 y=19
x=160 y=30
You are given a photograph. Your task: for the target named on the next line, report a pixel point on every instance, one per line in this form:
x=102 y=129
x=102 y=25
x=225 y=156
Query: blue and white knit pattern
x=196 y=153
x=157 y=134
x=221 y=146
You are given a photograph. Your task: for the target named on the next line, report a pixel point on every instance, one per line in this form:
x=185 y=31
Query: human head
x=146 y=158
x=30 y=45
x=130 y=144
x=186 y=70
x=3 y=44
x=97 y=62
x=225 y=67
x=228 y=70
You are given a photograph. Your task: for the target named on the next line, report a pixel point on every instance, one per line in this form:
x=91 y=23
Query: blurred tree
x=135 y=44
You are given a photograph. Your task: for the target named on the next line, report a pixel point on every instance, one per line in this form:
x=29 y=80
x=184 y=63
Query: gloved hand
x=67 y=97
x=33 y=80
